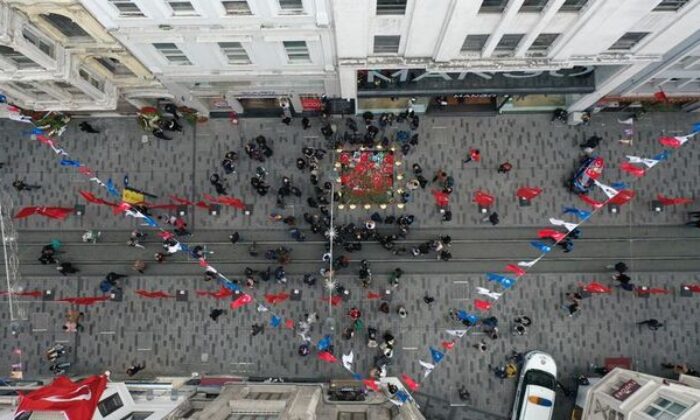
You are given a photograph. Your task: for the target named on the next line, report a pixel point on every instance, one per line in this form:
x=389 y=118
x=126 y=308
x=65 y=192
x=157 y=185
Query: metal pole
x=7 y=264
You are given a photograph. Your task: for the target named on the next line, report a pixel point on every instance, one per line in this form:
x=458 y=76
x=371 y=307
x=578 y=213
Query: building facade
x=628 y=395
x=54 y=56
x=506 y=55
x=219 y=56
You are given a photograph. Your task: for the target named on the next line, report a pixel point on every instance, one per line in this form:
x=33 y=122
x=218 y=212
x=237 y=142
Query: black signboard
x=419 y=82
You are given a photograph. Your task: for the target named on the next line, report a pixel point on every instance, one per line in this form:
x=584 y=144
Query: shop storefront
x=470 y=92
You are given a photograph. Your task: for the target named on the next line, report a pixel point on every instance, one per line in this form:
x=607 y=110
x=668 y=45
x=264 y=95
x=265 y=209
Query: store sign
x=422 y=82
x=311 y=104
x=627 y=389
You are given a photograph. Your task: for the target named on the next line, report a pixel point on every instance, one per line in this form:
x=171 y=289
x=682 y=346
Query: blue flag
x=67 y=162
x=229 y=285
x=618 y=185
x=357 y=376
x=111 y=188
x=184 y=247
x=696 y=127
x=504 y=281
x=581 y=214
x=3 y=99
x=437 y=355
x=402 y=396
x=541 y=246
x=149 y=221
x=466 y=316
x=324 y=343
x=663 y=155
x=275 y=321
x=37 y=131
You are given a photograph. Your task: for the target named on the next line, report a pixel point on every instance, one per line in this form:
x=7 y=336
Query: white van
x=534 y=399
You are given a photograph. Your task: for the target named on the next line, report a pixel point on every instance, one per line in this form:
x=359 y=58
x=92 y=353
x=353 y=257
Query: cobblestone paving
x=179 y=338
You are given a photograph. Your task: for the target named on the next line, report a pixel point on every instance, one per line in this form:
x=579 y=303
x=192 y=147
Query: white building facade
x=55 y=57
x=508 y=55
x=628 y=395
x=219 y=56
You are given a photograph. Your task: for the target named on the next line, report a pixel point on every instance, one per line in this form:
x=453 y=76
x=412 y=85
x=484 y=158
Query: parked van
x=534 y=398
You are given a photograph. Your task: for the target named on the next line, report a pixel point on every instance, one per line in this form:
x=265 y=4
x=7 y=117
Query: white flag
x=628 y=121
x=456 y=333
x=567 y=225
x=347 y=361
x=608 y=190
x=395 y=402
x=683 y=139
x=487 y=292
x=649 y=163
x=528 y=263
x=428 y=368
x=262 y=308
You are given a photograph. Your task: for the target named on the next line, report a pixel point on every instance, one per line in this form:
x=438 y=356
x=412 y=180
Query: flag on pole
x=608 y=190
x=436 y=355
x=567 y=225
x=541 y=246
x=487 y=292
x=456 y=333
x=581 y=214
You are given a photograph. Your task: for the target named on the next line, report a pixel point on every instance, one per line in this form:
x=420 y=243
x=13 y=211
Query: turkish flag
x=155 y=294
x=694 y=288
x=622 y=197
x=33 y=293
x=551 y=233
x=591 y=202
x=672 y=142
x=276 y=298
x=244 y=299
x=50 y=212
x=76 y=400
x=483 y=199
x=90 y=197
x=528 y=193
x=223 y=292
x=372 y=295
x=181 y=200
x=595 y=287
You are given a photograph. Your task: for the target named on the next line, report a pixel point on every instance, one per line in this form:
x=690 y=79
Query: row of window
x=127 y=8
x=398 y=7
x=297 y=53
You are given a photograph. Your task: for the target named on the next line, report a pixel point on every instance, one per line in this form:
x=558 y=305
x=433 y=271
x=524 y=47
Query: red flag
x=166 y=235
x=371 y=384
x=482 y=305
x=410 y=383
x=276 y=298
x=632 y=169
x=223 y=292
x=672 y=142
x=667 y=201
x=85 y=300
x=327 y=357
x=202 y=292
x=121 y=208
x=660 y=96
x=483 y=198
x=180 y=200
x=591 y=202
x=519 y=272
x=288 y=323
x=202 y=262
x=85 y=170
x=232 y=202
x=528 y=193
x=202 y=204
x=657 y=291
x=551 y=233
x=448 y=345
x=90 y=197
x=442 y=199
x=77 y=400
x=50 y=212
x=169 y=206
x=26 y=212
x=33 y=293
x=153 y=295
x=595 y=287
x=694 y=288
x=622 y=197
x=243 y=299
x=334 y=300
x=372 y=295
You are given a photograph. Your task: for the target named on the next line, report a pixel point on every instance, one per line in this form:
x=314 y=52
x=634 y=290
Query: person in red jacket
x=474 y=155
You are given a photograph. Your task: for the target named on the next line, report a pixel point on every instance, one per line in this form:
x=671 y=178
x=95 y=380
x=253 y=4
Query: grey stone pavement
x=179 y=338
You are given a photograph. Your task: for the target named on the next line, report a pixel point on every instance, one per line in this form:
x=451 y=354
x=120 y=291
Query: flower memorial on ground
x=366 y=177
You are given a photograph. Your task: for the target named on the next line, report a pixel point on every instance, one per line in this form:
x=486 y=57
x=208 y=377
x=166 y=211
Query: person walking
x=474 y=155
x=215 y=314
x=134 y=369
x=652 y=323
x=257 y=329
x=504 y=168
x=20 y=185
x=139 y=266
x=492 y=218
x=66 y=268
x=234 y=238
